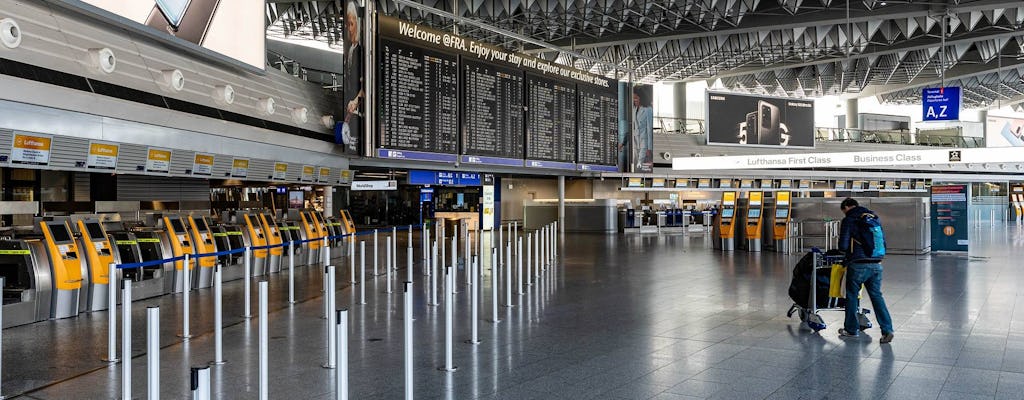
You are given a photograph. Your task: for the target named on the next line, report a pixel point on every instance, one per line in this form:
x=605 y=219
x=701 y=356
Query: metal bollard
x=494 y=286
x=186 y=289
x=466 y=254
x=394 y=248
x=247 y=313
x=449 y=308
x=200 y=383
x=362 y=272
x=326 y=246
x=352 y=262
x=455 y=265
x=475 y=303
x=536 y=255
x=501 y=241
x=152 y=352
x=376 y=253
x=218 y=316
x=327 y=308
x=341 y=380
x=433 y=276
x=424 y=244
x=519 y=265
x=111 y=314
x=264 y=337
x=529 y=259
x=332 y=351
x=408 y=263
x=126 y=339
x=387 y=267
x=407 y=333
x=291 y=272
x=508 y=275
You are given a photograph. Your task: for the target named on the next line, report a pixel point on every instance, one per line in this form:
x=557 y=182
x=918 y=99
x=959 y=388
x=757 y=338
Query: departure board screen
x=419 y=98
x=598 y=125
x=492 y=110
x=550 y=120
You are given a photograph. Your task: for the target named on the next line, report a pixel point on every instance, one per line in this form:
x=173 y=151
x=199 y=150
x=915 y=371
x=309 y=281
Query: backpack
x=871 y=235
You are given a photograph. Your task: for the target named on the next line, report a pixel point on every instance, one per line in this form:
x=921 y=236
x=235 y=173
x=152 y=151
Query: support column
x=852 y=120
x=561 y=203
x=679 y=105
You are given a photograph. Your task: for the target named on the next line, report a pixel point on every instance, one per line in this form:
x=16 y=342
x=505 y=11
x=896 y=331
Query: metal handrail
x=675 y=125
x=903 y=137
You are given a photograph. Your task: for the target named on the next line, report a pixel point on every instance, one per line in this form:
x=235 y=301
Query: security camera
x=666 y=155
x=172 y=80
x=266 y=106
x=102 y=60
x=223 y=95
x=10 y=33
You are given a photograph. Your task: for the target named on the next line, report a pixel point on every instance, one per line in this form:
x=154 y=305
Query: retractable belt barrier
x=242 y=250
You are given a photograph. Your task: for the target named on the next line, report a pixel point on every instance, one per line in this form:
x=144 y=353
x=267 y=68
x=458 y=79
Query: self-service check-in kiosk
x=273 y=235
x=311 y=231
x=727 y=222
x=98 y=252
x=256 y=238
x=290 y=233
x=146 y=281
x=752 y=225
x=347 y=222
x=181 y=244
x=202 y=238
x=65 y=268
x=154 y=244
x=230 y=237
x=1017 y=204
x=28 y=288
x=780 y=226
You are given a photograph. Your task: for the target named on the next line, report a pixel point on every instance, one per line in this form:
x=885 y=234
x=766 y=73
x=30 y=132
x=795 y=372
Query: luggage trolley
x=809 y=315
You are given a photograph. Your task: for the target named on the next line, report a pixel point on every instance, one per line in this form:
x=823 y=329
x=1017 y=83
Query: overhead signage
x=444 y=178
x=949 y=205
x=280 y=171
x=840 y=185
x=202 y=164
x=375 y=185
x=239 y=167
x=635 y=182
x=852 y=159
x=941 y=104
x=323 y=175
x=102 y=155
x=158 y=160
x=307 y=173
x=658 y=182
x=31 y=149
x=725 y=183
x=346 y=176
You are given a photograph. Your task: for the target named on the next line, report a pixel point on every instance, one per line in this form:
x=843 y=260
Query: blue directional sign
x=941 y=104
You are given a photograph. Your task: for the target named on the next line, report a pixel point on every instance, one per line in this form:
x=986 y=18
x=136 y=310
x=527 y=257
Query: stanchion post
x=475 y=302
x=450 y=286
x=362 y=272
x=407 y=332
x=126 y=339
x=341 y=380
x=327 y=250
x=376 y=253
x=508 y=274
x=519 y=264
x=449 y=328
x=200 y=383
x=352 y=261
x=218 y=315
x=247 y=310
x=3 y=281
x=332 y=350
x=387 y=267
x=408 y=264
x=433 y=275
x=494 y=286
x=467 y=248
x=152 y=352
x=529 y=258
x=327 y=307
x=111 y=314
x=186 y=304
x=264 y=337
x=291 y=272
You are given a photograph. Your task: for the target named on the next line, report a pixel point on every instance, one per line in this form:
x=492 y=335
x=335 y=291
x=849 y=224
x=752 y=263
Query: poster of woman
x=643 y=129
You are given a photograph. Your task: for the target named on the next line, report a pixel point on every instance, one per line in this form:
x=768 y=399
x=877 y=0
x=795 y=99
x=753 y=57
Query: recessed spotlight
x=10 y=33
x=223 y=95
x=102 y=60
x=266 y=106
x=172 y=80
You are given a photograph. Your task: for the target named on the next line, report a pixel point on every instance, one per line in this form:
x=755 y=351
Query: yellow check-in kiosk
x=1017 y=202
x=181 y=244
x=752 y=226
x=273 y=235
x=783 y=214
x=98 y=252
x=346 y=220
x=727 y=222
x=257 y=238
x=65 y=268
x=311 y=231
x=202 y=237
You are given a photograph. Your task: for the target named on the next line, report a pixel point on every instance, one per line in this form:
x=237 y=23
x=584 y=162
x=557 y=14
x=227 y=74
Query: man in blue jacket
x=861 y=269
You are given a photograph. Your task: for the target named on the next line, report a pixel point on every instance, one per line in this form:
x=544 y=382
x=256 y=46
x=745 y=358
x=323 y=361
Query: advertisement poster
x=487 y=221
x=307 y=173
x=280 y=171
x=202 y=164
x=239 y=167
x=745 y=120
x=349 y=131
x=949 y=205
x=102 y=155
x=158 y=160
x=1004 y=131
x=31 y=149
x=642 y=144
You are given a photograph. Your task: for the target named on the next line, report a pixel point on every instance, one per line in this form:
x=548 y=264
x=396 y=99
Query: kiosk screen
x=727 y=213
x=60 y=233
x=203 y=225
x=754 y=213
x=179 y=228
x=95 y=233
x=782 y=214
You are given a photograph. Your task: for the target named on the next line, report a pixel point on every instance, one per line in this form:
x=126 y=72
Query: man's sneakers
x=844 y=334
x=886 y=338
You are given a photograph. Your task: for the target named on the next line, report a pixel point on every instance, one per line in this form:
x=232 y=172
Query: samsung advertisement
x=1004 y=131
x=233 y=28
x=746 y=120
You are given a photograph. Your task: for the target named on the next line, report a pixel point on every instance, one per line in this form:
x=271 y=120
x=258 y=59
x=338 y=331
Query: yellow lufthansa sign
x=202 y=164
x=158 y=160
x=324 y=175
x=307 y=173
x=240 y=167
x=280 y=171
x=31 y=149
x=102 y=155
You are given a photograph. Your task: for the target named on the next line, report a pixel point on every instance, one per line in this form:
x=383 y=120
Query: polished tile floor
x=620 y=317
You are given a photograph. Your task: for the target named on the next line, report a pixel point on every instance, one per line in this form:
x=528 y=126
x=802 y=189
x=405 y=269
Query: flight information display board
x=419 y=99
x=598 y=126
x=492 y=113
x=550 y=122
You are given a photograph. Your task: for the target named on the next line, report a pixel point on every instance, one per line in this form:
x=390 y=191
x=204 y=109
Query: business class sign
x=851 y=159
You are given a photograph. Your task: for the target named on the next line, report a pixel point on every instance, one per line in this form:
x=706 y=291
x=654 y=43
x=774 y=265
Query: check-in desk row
x=58 y=275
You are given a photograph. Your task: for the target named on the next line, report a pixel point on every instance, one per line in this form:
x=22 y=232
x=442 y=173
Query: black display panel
x=492 y=110
x=550 y=119
x=598 y=125
x=95 y=232
x=179 y=228
x=419 y=98
x=60 y=233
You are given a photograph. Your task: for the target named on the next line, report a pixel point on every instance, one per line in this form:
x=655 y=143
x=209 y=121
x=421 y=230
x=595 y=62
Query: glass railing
x=895 y=137
x=678 y=125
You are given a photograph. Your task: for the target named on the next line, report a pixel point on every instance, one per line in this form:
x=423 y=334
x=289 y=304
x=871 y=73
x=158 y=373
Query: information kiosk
x=257 y=238
x=98 y=256
x=65 y=268
x=273 y=235
x=780 y=228
x=27 y=284
x=146 y=281
x=752 y=228
x=181 y=244
x=203 y=239
x=727 y=222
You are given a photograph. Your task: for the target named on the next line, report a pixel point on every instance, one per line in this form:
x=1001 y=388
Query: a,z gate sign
x=941 y=104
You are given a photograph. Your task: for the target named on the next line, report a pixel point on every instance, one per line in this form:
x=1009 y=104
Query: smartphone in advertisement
x=186 y=19
x=767 y=123
x=752 y=128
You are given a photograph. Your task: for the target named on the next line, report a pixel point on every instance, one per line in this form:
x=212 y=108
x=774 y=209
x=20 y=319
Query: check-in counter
x=472 y=220
x=181 y=244
x=310 y=230
x=202 y=238
x=146 y=281
x=99 y=254
x=65 y=268
x=28 y=287
x=273 y=235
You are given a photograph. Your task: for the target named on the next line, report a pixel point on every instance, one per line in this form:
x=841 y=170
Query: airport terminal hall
x=512 y=199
